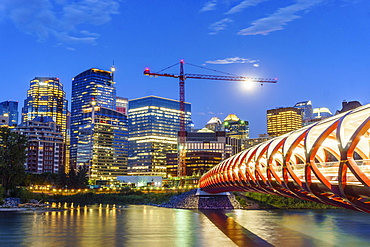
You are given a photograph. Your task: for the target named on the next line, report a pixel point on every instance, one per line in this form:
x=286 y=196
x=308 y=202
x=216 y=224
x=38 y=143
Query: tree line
x=13 y=155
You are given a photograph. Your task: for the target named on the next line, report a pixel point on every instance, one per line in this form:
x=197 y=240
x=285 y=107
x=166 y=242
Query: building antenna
x=112 y=69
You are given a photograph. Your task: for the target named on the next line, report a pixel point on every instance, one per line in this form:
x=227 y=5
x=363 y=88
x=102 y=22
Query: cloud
x=59 y=19
x=244 y=4
x=231 y=60
x=219 y=25
x=208 y=6
x=279 y=19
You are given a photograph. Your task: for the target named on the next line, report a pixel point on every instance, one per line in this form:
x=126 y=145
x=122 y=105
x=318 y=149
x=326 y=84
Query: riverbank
x=14 y=205
x=187 y=200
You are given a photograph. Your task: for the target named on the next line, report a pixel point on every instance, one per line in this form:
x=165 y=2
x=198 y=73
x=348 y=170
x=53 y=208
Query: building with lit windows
x=154 y=123
x=92 y=85
x=283 y=120
x=4 y=120
x=46 y=98
x=103 y=144
x=98 y=138
x=10 y=109
x=121 y=104
x=46 y=146
x=204 y=149
x=235 y=127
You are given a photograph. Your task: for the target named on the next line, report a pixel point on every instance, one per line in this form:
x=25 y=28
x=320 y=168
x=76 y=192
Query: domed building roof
x=231 y=117
x=214 y=120
x=205 y=130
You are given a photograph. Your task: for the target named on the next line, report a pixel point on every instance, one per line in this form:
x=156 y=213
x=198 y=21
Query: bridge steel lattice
x=326 y=162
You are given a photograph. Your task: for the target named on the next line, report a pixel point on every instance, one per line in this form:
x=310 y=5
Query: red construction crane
x=181 y=169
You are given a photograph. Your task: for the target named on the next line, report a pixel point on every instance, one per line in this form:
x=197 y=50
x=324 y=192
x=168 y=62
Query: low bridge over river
x=326 y=162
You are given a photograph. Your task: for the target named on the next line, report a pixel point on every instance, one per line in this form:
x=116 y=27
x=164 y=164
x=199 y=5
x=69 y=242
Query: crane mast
x=181 y=169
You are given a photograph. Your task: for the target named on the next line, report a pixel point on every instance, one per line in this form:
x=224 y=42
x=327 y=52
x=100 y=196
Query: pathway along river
x=106 y=225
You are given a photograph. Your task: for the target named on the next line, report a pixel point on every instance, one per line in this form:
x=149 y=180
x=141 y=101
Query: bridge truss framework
x=327 y=162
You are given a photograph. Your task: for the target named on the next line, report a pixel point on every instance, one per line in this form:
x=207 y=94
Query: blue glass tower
x=154 y=123
x=98 y=132
x=10 y=108
x=306 y=107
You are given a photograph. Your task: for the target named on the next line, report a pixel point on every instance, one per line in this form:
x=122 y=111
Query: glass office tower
x=10 y=109
x=46 y=98
x=307 y=111
x=154 y=123
x=102 y=144
x=98 y=132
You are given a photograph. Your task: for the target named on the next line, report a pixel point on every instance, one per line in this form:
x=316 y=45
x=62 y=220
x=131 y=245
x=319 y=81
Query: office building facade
x=46 y=146
x=154 y=123
x=306 y=110
x=235 y=127
x=103 y=144
x=283 y=120
x=204 y=149
x=98 y=137
x=46 y=98
x=10 y=109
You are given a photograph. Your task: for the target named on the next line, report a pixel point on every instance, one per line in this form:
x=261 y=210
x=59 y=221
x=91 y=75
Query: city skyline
x=317 y=49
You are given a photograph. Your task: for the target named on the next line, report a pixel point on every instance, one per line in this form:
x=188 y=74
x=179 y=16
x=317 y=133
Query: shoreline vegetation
x=247 y=200
x=267 y=201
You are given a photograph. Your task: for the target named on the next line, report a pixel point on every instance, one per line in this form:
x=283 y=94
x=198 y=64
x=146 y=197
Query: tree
x=12 y=158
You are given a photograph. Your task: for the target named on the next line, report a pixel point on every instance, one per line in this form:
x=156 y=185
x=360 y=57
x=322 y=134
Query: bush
x=2 y=194
x=124 y=198
x=286 y=202
x=26 y=195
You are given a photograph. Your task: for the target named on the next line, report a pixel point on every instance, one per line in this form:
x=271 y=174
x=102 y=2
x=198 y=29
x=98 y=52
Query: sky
x=318 y=49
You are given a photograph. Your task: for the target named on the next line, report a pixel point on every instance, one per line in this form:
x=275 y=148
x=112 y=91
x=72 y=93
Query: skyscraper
x=154 y=123
x=98 y=132
x=10 y=109
x=92 y=85
x=235 y=127
x=46 y=98
x=306 y=109
x=283 y=120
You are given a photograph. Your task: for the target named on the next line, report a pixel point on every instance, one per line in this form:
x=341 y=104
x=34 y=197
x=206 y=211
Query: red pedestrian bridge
x=326 y=162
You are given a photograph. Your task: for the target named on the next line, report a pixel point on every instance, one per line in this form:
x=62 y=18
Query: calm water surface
x=106 y=225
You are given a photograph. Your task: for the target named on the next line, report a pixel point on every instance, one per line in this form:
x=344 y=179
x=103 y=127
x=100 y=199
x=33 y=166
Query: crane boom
x=181 y=170
x=213 y=77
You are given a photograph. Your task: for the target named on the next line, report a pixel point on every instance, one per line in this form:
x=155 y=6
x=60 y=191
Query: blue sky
x=319 y=50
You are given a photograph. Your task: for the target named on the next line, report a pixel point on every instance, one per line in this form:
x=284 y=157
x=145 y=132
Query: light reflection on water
x=307 y=227
x=113 y=225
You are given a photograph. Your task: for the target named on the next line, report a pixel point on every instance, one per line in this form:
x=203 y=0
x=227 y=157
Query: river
x=139 y=225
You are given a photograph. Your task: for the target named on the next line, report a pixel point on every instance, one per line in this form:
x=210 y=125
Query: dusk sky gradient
x=318 y=49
